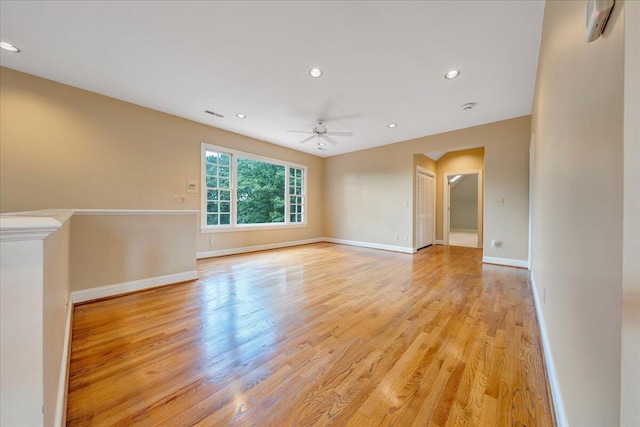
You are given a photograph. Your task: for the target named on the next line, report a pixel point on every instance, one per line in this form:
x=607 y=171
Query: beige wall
x=456 y=161
x=56 y=293
x=369 y=193
x=114 y=249
x=420 y=160
x=577 y=235
x=64 y=147
x=630 y=372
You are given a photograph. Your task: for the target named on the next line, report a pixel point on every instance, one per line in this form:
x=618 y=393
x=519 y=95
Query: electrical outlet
x=211 y=241
x=406 y=238
x=179 y=199
x=498 y=202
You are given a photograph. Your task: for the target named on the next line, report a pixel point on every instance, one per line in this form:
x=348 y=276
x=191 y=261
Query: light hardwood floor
x=316 y=335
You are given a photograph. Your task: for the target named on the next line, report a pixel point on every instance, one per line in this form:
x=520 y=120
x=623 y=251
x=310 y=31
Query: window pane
x=299 y=218
x=260 y=192
x=298 y=173
x=212 y=157
x=212 y=207
x=224 y=182
x=224 y=171
x=212 y=219
x=225 y=219
x=292 y=217
x=212 y=194
x=225 y=207
x=225 y=195
x=212 y=169
x=224 y=159
x=212 y=181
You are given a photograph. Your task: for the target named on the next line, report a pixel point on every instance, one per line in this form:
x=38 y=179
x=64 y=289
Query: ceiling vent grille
x=214 y=114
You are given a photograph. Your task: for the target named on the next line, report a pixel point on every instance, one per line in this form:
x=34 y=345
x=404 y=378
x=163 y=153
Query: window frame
x=233 y=167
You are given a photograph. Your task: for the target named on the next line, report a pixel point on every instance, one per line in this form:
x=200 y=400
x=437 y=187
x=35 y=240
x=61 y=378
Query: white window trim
x=234 y=226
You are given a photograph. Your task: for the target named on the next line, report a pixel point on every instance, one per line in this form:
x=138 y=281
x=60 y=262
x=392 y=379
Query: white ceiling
x=383 y=61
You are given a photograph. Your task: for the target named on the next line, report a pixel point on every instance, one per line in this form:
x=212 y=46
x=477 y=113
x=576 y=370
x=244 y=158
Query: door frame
x=421 y=170
x=446 y=220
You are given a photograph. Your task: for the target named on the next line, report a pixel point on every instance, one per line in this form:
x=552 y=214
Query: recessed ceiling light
x=468 y=106
x=452 y=74
x=240 y=116
x=392 y=125
x=315 y=72
x=9 y=47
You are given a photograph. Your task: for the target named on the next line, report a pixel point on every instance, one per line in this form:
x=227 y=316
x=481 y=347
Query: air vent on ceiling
x=214 y=114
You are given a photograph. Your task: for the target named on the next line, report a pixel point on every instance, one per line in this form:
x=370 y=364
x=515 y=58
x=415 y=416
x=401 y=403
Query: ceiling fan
x=320 y=132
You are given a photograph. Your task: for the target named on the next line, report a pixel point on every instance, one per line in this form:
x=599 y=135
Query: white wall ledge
x=17 y=228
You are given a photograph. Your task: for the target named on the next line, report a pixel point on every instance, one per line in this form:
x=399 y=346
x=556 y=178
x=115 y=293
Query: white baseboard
x=235 y=251
x=63 y=380
x=371 y=245
x=439 y=242
x=506 y=261
x=135 y=285
x=556 y=395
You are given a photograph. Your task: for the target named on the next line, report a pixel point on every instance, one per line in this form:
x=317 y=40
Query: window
x=240 y=190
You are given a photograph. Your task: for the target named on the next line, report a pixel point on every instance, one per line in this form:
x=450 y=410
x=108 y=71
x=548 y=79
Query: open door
x=462 y=215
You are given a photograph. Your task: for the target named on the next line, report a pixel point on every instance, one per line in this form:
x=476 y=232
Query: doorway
x=463 y=208
x=425 y=208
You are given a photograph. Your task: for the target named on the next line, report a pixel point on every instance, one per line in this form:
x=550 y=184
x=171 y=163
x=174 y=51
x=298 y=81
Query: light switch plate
x=498 y=202
x=192 y=186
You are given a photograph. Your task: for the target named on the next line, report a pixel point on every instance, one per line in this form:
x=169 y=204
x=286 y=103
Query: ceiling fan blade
x=307 y=139
x=340 y=133
x=300 y=131
x=330 y=140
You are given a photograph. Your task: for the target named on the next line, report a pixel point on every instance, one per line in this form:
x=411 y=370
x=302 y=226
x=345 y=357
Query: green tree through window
x=260 y=192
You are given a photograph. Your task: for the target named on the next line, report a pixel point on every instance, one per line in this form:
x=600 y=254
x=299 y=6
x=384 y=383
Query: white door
x=425 y=207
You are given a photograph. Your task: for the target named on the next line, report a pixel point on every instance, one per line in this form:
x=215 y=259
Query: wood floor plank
x=316 y=335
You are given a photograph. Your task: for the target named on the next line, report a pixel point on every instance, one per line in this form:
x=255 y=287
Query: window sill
x=260 y=227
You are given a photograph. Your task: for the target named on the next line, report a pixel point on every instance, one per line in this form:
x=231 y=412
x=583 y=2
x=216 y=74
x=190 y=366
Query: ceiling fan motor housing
x=320 y=129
